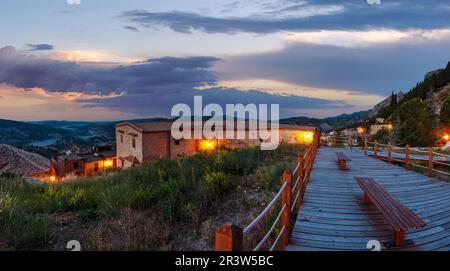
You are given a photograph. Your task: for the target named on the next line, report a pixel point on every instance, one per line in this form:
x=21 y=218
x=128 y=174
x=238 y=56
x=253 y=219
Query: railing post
x=375 y=150
x=389 y=152
x=407 y=158
x=229 y=238
x=365 y=145
x=286 y=200
x=299 y=184
x=430 y=162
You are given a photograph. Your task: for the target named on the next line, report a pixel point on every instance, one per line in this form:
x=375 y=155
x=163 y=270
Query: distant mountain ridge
x=18 y=133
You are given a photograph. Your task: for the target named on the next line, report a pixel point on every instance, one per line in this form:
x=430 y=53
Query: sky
x=124 y=59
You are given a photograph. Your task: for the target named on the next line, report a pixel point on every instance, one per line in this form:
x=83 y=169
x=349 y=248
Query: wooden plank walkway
x=333 y=216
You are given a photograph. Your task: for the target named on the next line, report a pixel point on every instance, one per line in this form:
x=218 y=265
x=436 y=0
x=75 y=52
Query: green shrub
x=382 y=136
x=9 y=175
x=445 y=112
x=218 y=182
x=7 y=203
x=77 y=200
x=28 y=232
x=87 y=216
x=270 y=176
x=142 y=199
x=238 y=161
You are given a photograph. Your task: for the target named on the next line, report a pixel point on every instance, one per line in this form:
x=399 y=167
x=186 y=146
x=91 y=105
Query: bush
x=218 y=182
x=238 y=161
x=270 y=176
x=87 y=216
x=382 y=136
x=445 y=112
x=414 y=127
x=28 y=232
x=6 y=206
x=142 y=199
x=8 y=175
x=78 y=199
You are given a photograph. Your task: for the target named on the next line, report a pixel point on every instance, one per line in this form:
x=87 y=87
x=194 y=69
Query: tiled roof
x=146 y=127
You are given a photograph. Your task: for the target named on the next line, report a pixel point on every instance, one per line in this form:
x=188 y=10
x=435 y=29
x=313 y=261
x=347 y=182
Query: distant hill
x=434 y=89
x=330 y=123
x=21 y=133
x=433 y=82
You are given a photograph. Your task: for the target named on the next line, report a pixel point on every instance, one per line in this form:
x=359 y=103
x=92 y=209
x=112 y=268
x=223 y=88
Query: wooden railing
x=231 y=237
x=433 y=162
x=340 y=141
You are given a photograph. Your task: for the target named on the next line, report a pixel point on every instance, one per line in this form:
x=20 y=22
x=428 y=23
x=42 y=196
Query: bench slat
x=396 y=214
x=413 y=219
x=406 y=214
x=342 y=156
x=392 y=220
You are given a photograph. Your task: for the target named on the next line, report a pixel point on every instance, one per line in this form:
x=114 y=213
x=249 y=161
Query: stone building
x=146 y=142
x=83 y=163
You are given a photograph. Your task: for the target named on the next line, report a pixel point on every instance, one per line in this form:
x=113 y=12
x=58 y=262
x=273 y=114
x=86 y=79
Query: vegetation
x=382 y=136
x=413 y=126
x=415 y=116
x=445 y=113
x=150 y=207
x=432 y=82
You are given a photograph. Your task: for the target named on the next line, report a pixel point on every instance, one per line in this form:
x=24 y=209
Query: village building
x=374 y=129
x=146 y=142
x=83 y=163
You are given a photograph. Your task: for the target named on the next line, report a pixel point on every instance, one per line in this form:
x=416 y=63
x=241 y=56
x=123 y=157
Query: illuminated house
x=80 y=164
x=146 y=142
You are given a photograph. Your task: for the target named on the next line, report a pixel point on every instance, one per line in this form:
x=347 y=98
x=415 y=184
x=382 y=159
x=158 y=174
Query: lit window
x=208 y=145
x=108 y=163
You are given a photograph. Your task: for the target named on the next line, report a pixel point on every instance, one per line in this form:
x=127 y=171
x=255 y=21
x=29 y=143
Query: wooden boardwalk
x=333 y=216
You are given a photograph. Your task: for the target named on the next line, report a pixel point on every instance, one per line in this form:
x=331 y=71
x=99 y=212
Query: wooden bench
x=399 y=217
x=342 y=160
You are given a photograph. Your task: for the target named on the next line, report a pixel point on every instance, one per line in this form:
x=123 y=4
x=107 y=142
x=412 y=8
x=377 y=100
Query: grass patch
x=172 y=194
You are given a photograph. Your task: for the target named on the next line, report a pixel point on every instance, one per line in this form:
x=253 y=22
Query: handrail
x=230 y=237
x=410 y=154
x=247 y=230
x=277 y=241
x=272 y=228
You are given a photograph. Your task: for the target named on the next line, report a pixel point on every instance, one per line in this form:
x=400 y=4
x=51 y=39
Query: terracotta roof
x=22 y=162
x=146 y=127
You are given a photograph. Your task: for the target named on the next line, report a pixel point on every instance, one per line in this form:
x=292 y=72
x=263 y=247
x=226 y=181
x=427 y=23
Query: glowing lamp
x=446 y=137
x=305 y=137
x=361 y=130
x=108 y=163
x=52 y=178
x=208 y=145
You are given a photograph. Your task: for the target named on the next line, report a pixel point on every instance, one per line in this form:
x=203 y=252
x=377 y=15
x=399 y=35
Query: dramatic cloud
x=307 y=16
x=149 y=87
x=376 y=68
x=39 y=47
